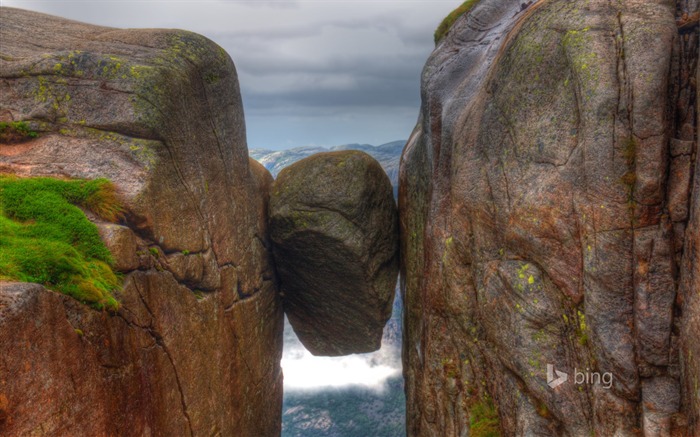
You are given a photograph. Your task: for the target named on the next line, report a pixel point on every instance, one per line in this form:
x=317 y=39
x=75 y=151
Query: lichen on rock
x=540 y=224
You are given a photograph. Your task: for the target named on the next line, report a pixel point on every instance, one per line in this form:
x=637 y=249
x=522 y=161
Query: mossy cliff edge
x=192 y=342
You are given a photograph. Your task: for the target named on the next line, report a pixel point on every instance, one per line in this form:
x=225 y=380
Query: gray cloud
x=279 y=4
x=322 y=72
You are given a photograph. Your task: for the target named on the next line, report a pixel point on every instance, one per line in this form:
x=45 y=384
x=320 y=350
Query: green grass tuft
x=16 y=131
x=45 y=238
x=449 y=20
x=483 y=419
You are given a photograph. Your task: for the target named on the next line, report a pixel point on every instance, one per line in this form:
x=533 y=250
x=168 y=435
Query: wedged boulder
x=195 y=347
x=333 y=224
x=544 y=203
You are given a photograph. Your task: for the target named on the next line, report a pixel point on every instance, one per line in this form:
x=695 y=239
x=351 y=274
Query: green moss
x=45 y=238
x=483 y=419
x=112 y=67
x=629 y=151
x=449 y=20
x=183 y=48
x=582 y=329
x=54 y=93
x=543 y=411
x=42 y=90
x=16 y=131
x=154 y=251
x=522 y=270
x=211 y=78
x=143 y=152
x=584 y=62
x=539 y=336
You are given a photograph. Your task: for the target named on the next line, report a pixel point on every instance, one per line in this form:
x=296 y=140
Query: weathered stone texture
x=334 y=228
x=196 y=345
x=543 y=208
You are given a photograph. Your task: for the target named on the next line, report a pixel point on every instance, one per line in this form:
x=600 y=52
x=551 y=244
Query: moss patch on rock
x=483 y=419
x=47 y=239
x=16 y=132
x=449 y=20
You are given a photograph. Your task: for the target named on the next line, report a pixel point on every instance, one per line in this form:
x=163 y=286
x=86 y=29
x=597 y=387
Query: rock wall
x=196 y=345
x=689 y=293
x=548 y=210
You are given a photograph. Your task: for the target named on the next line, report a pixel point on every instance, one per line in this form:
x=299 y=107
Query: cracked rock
x=158 y=113
x=546 y=196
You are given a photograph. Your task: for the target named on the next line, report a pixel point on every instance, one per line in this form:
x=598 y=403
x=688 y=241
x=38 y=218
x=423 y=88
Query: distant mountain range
x=388 y=155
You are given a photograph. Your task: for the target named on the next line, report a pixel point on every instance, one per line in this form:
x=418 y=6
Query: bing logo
x=555 y=378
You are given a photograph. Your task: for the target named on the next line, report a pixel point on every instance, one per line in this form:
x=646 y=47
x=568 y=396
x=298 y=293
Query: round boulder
x=334 y=227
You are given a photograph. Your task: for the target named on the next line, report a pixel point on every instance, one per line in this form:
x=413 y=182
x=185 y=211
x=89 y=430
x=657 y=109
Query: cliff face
x=689 y=291
x=196 y=344
x=549 y=216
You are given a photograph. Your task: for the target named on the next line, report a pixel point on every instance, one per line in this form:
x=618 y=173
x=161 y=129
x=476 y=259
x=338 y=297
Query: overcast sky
x=320 y=73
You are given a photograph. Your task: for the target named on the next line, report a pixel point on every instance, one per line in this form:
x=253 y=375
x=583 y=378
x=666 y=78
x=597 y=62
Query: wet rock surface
x=334 y=230
x=545 y=198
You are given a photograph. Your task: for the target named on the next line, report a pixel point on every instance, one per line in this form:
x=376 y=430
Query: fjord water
x=356 y=395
